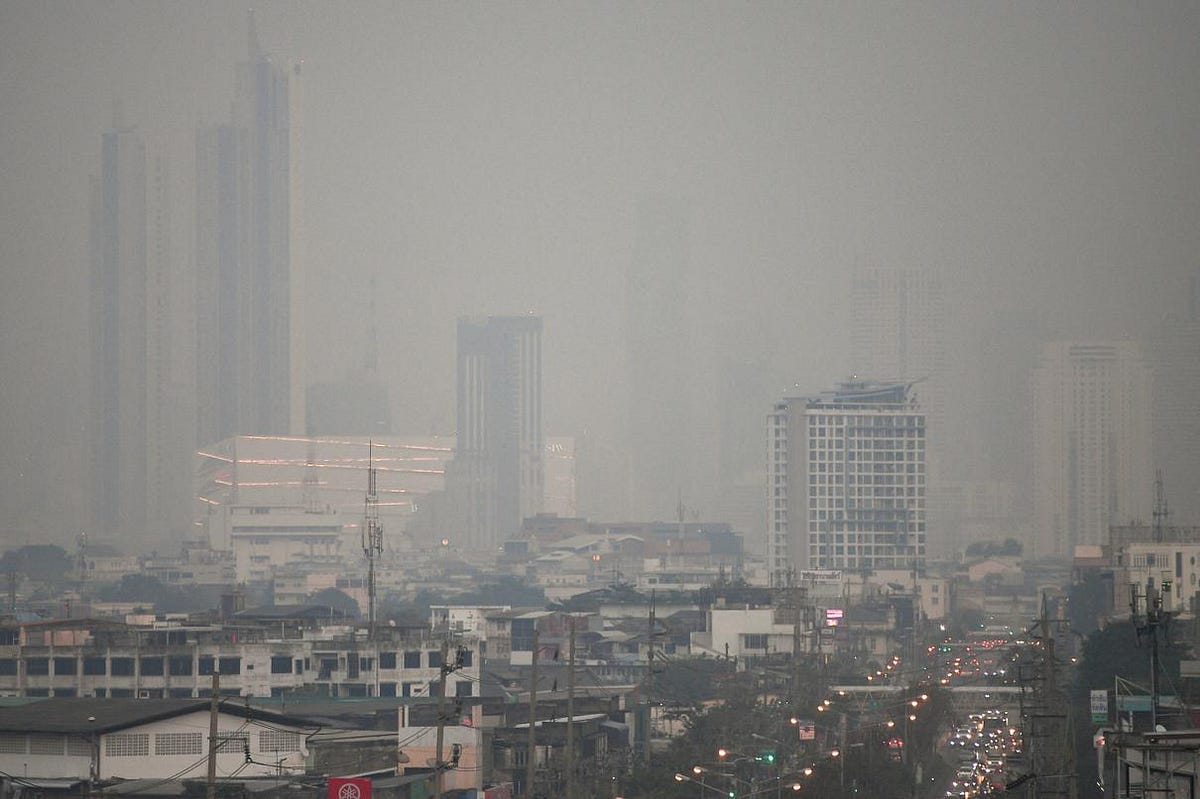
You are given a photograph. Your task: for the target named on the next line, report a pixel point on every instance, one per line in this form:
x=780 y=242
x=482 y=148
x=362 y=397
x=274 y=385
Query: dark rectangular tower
x=497 y=475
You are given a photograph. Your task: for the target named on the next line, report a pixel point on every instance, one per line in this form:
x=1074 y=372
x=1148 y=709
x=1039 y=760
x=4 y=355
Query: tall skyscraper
x=497 y=477
x=1173 y=353
x=249 y=359
x=846 y=481
x=671 y=430
x=138 y=453
x=1092 y=463
x=898 y=332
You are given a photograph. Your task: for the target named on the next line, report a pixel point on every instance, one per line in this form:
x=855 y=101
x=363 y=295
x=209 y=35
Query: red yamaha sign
x=349 y=788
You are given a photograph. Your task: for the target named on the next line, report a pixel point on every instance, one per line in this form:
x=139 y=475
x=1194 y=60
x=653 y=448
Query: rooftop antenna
x=311 y=483
x=252 y=36
x=372 y=537
x=1161 y=511
x=371 y=359
x=81 y=562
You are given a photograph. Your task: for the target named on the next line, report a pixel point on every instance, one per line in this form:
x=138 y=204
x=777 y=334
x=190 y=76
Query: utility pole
x=372 y=537
x=653 y=631
x=439 y=765
x=214 y=708
x=531 y=757
x=571 y=712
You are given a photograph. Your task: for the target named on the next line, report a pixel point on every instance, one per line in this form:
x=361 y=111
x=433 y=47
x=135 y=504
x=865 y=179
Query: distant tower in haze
x=497 y=476
x=1173 y=352
x=119 y=365
x=898 y=332
x=249 y=357
x=1092 y=463
x=661 y=376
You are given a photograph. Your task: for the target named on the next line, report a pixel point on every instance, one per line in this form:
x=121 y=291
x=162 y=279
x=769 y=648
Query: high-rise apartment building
x=898 y=332
x=1173 y=353
x=847 y=481
x=119 y=386
x=249 y=357
x=1091 y=444
x=497 y=476
x=138 y=492
x=671 y=430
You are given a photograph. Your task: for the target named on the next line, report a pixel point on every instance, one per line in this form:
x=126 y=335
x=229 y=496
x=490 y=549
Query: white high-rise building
x=846 y=481
x=1091 y=444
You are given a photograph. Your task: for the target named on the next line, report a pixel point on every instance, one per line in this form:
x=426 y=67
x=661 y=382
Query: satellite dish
x=1159 y=728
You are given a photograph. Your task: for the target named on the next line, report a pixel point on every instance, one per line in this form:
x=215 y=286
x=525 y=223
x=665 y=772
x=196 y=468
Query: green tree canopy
x=42 y=563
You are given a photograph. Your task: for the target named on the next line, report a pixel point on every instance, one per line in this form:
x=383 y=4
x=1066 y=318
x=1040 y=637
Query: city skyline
x=471 y=173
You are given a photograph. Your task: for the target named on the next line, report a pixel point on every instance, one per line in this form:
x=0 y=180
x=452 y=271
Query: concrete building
x=744 y=633
x=497 y=477
x=847 y=481
x=259 y=654
x=250 y=368
x=317 y=474
x=1092 y=464
x=94 y=740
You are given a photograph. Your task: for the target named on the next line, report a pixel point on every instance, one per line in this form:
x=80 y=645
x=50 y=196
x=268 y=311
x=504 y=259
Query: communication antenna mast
x=1160 y=507
x=81 y=560
x=311 y=483
x=372 y=536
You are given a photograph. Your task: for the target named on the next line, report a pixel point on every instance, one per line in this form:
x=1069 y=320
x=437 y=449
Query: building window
x=278 y=741
x=180 y=665
x=121 y=667
x=179 y=743
x=233 y=742
x=231 y=665
x=78 y=747
x=387 y=689
x=152 y=667
x=435 y=660
x=12 y=743
x=94 y=667
x=127 y=744
x=462 y=688
x=281 y=664
x=46 y=745
x=8 y=667
x=37 y=666
x=465 y=657
x=754 y=641
x=206 y=665
x=387 y=660
x=66 y=666
x=412 y=660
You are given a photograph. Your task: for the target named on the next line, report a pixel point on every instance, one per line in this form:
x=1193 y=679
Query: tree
x=153 y=593
x=41 y=563
x=1117 y=650
x=1087 y=603
x=338 y=600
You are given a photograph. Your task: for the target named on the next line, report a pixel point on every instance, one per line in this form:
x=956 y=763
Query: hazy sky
x=490 y=158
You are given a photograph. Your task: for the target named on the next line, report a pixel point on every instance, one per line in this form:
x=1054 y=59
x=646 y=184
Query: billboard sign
x=349 y=788
x=1099 y=706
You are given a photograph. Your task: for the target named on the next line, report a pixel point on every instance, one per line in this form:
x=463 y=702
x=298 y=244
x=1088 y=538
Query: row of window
x=137 y=744
x=183 y=665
